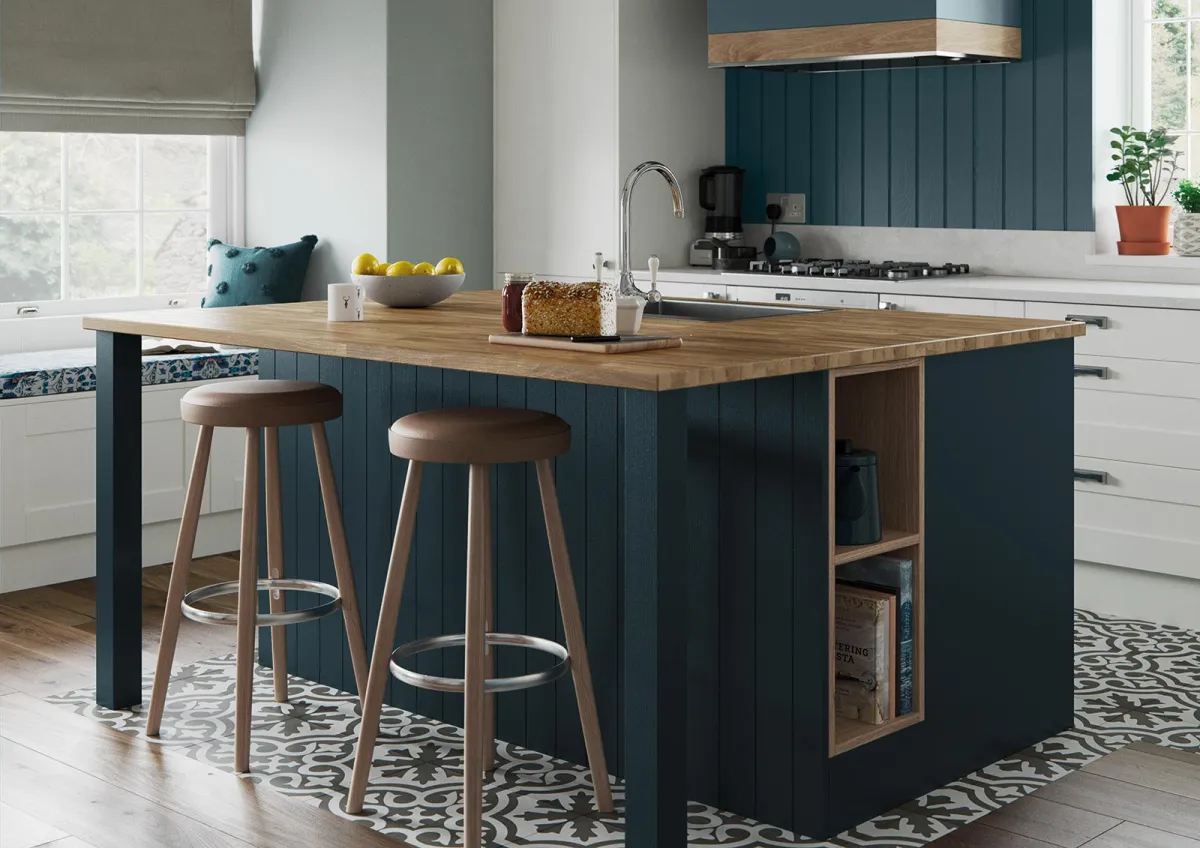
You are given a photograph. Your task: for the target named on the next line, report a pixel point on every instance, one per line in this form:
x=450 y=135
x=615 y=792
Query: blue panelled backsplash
x=982 y=147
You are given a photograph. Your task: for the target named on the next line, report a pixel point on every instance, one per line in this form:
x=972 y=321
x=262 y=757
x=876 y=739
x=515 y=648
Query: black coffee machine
x=721 y=189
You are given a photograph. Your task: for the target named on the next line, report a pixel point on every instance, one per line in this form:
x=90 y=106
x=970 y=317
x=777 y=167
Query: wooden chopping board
x=627 y=344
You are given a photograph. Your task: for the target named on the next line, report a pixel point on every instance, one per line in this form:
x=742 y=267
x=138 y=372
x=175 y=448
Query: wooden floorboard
x=70 y=782
x=48 y=634
x=177 y=785
x=1142 y=796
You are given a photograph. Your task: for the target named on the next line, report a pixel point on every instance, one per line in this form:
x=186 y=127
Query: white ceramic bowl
x=410 y=292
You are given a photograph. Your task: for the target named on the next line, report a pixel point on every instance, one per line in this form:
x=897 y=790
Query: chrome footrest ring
x=263 y=619
x=496 y=684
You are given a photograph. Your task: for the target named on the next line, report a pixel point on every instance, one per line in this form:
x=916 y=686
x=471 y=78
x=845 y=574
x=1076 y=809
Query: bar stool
x=479 y=437
x=258 y=406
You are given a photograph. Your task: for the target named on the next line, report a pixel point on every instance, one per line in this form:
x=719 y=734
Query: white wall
x=439 y=127
x=672 y=108
x=556 y=164
x=316 y=145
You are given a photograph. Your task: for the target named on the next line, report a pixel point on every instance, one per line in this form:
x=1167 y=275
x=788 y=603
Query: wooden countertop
x=454 y=334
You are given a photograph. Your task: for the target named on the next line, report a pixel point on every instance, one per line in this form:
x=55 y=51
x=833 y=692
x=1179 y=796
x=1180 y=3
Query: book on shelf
x=893 y=575
x=154 y=347
x=865 y=646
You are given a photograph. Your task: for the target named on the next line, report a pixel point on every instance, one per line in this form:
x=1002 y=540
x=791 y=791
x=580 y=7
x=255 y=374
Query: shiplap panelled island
x=696 y=504
x=1004 y=146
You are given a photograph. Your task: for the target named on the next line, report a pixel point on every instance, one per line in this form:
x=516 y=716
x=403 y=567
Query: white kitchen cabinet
x=48 y=467
x=584 y=92
x=955 y=305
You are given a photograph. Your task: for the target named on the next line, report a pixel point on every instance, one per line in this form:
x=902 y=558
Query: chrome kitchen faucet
x=627 y=287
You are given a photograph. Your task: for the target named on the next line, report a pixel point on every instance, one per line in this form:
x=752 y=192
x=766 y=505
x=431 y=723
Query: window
x=1166 y=74
x=91 y=216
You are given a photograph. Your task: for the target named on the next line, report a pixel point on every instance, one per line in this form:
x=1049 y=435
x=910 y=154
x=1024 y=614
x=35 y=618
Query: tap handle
x=599 y=266
x=654 y=296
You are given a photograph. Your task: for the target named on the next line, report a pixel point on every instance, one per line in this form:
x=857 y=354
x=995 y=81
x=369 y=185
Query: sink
x=721 y=310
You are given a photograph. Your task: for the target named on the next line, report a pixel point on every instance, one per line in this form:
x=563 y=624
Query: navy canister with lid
x=856 y=495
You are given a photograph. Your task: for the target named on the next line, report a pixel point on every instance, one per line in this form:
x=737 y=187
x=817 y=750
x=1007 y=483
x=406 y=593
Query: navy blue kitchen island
x=697 y=504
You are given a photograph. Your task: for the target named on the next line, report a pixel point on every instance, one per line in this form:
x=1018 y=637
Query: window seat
x=57 y=372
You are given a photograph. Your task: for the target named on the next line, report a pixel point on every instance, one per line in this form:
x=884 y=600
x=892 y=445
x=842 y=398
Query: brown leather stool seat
x=479 y=436
x=261 y=403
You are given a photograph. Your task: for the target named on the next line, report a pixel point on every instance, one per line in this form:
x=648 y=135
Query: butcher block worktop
x=454 y=334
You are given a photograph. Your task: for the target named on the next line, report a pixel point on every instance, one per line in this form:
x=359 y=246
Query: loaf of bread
x=569 y=309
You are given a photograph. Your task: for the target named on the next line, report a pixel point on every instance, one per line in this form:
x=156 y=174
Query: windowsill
x=1172 y=260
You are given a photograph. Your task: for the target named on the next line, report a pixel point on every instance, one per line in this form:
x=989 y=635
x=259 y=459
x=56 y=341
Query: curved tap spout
x=627 y=286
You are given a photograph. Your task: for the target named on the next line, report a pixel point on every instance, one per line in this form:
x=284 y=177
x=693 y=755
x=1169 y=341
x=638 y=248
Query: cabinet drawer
x=1143 y=535
x=1138 y=428
x=700 y=291
x=1135 y=480
x=1137 y=376
x=807 y=297
x=1133 y=332
x=958 y=305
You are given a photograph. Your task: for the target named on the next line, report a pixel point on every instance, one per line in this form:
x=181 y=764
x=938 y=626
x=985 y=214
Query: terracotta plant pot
x=1144 y=226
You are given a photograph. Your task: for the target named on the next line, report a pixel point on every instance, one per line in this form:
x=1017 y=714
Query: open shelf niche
x=882 y=407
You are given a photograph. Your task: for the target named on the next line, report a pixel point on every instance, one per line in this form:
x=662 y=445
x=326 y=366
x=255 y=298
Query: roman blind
x=137 y=66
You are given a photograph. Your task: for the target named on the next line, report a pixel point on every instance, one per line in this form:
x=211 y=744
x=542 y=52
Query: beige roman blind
x=136 y=66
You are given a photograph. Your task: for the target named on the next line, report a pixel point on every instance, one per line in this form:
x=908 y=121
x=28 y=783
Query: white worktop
x=1100 y=292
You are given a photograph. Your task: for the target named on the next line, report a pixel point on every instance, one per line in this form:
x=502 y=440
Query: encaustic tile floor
x=1134 y=682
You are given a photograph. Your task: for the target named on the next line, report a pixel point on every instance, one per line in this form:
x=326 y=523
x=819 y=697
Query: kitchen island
x=697 y=499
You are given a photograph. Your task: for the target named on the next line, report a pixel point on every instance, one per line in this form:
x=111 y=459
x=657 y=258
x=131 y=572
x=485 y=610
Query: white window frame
x=226 y=221
x=1139 y=71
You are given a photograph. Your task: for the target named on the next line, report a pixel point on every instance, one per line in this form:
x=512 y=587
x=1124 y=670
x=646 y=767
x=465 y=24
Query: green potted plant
x=1145 y=163
x=1187 y=223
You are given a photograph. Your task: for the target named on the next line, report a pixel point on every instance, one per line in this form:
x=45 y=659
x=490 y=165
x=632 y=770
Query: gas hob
x=859 y=269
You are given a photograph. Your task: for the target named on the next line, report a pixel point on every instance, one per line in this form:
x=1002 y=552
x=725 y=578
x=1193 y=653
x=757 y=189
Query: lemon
x=364 y=263
x=423 y=270
x=381 y=269
x=400 y=269
x=449 y=265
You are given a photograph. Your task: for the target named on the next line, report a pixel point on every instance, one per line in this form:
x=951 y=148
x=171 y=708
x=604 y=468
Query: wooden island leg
x=118 y=520
x=654 y=528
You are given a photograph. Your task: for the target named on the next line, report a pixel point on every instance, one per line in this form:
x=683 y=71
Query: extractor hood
x=815 y=35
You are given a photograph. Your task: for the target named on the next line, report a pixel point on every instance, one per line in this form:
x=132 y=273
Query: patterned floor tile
x=1134 y=682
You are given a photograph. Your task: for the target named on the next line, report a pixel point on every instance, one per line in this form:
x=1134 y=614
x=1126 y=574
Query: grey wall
x=439 y=126
x=316 y=145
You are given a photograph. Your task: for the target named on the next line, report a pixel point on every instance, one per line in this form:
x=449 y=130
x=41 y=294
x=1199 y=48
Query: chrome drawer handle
x=1100 y=322
x=1100 y=371
x=1085 y=476
x=26 y=311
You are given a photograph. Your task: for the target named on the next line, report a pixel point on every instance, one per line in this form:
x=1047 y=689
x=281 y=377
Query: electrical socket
x=792 y=205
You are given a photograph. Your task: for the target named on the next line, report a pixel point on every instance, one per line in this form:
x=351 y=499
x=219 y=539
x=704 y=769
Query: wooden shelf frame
x=882 y=407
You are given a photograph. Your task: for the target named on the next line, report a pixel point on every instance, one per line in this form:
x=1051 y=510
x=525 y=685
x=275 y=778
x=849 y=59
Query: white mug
x=345 y=302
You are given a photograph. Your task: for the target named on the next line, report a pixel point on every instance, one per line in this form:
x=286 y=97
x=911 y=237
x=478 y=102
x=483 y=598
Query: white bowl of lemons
x=403 y=285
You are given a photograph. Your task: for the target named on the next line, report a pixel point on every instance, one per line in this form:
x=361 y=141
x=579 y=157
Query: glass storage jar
x=514 y=287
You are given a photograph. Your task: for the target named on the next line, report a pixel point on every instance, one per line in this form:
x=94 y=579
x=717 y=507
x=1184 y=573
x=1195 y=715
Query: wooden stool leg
x=247 y=604
x=473 y=687
x=581 y=671
x=182 y=566
x=489 y=626
x=275 y=561
x=341 y=558
x=385 y=635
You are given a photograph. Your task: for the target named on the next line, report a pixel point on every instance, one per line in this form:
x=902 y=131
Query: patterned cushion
x=252 y=276
x=57 y=372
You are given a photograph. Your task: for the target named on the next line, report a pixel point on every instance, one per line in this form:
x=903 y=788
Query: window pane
x=102 y=170
x=173 y=254
x=29 y=257
x=103 y=260
x=1169 y=8
x=175 y=172
x=30 y=171
x=1168 y=75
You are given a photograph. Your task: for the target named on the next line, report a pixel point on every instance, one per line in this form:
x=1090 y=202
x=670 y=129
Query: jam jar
x=514 y=287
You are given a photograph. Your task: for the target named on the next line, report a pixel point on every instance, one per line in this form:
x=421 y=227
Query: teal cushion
x=252 y=276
